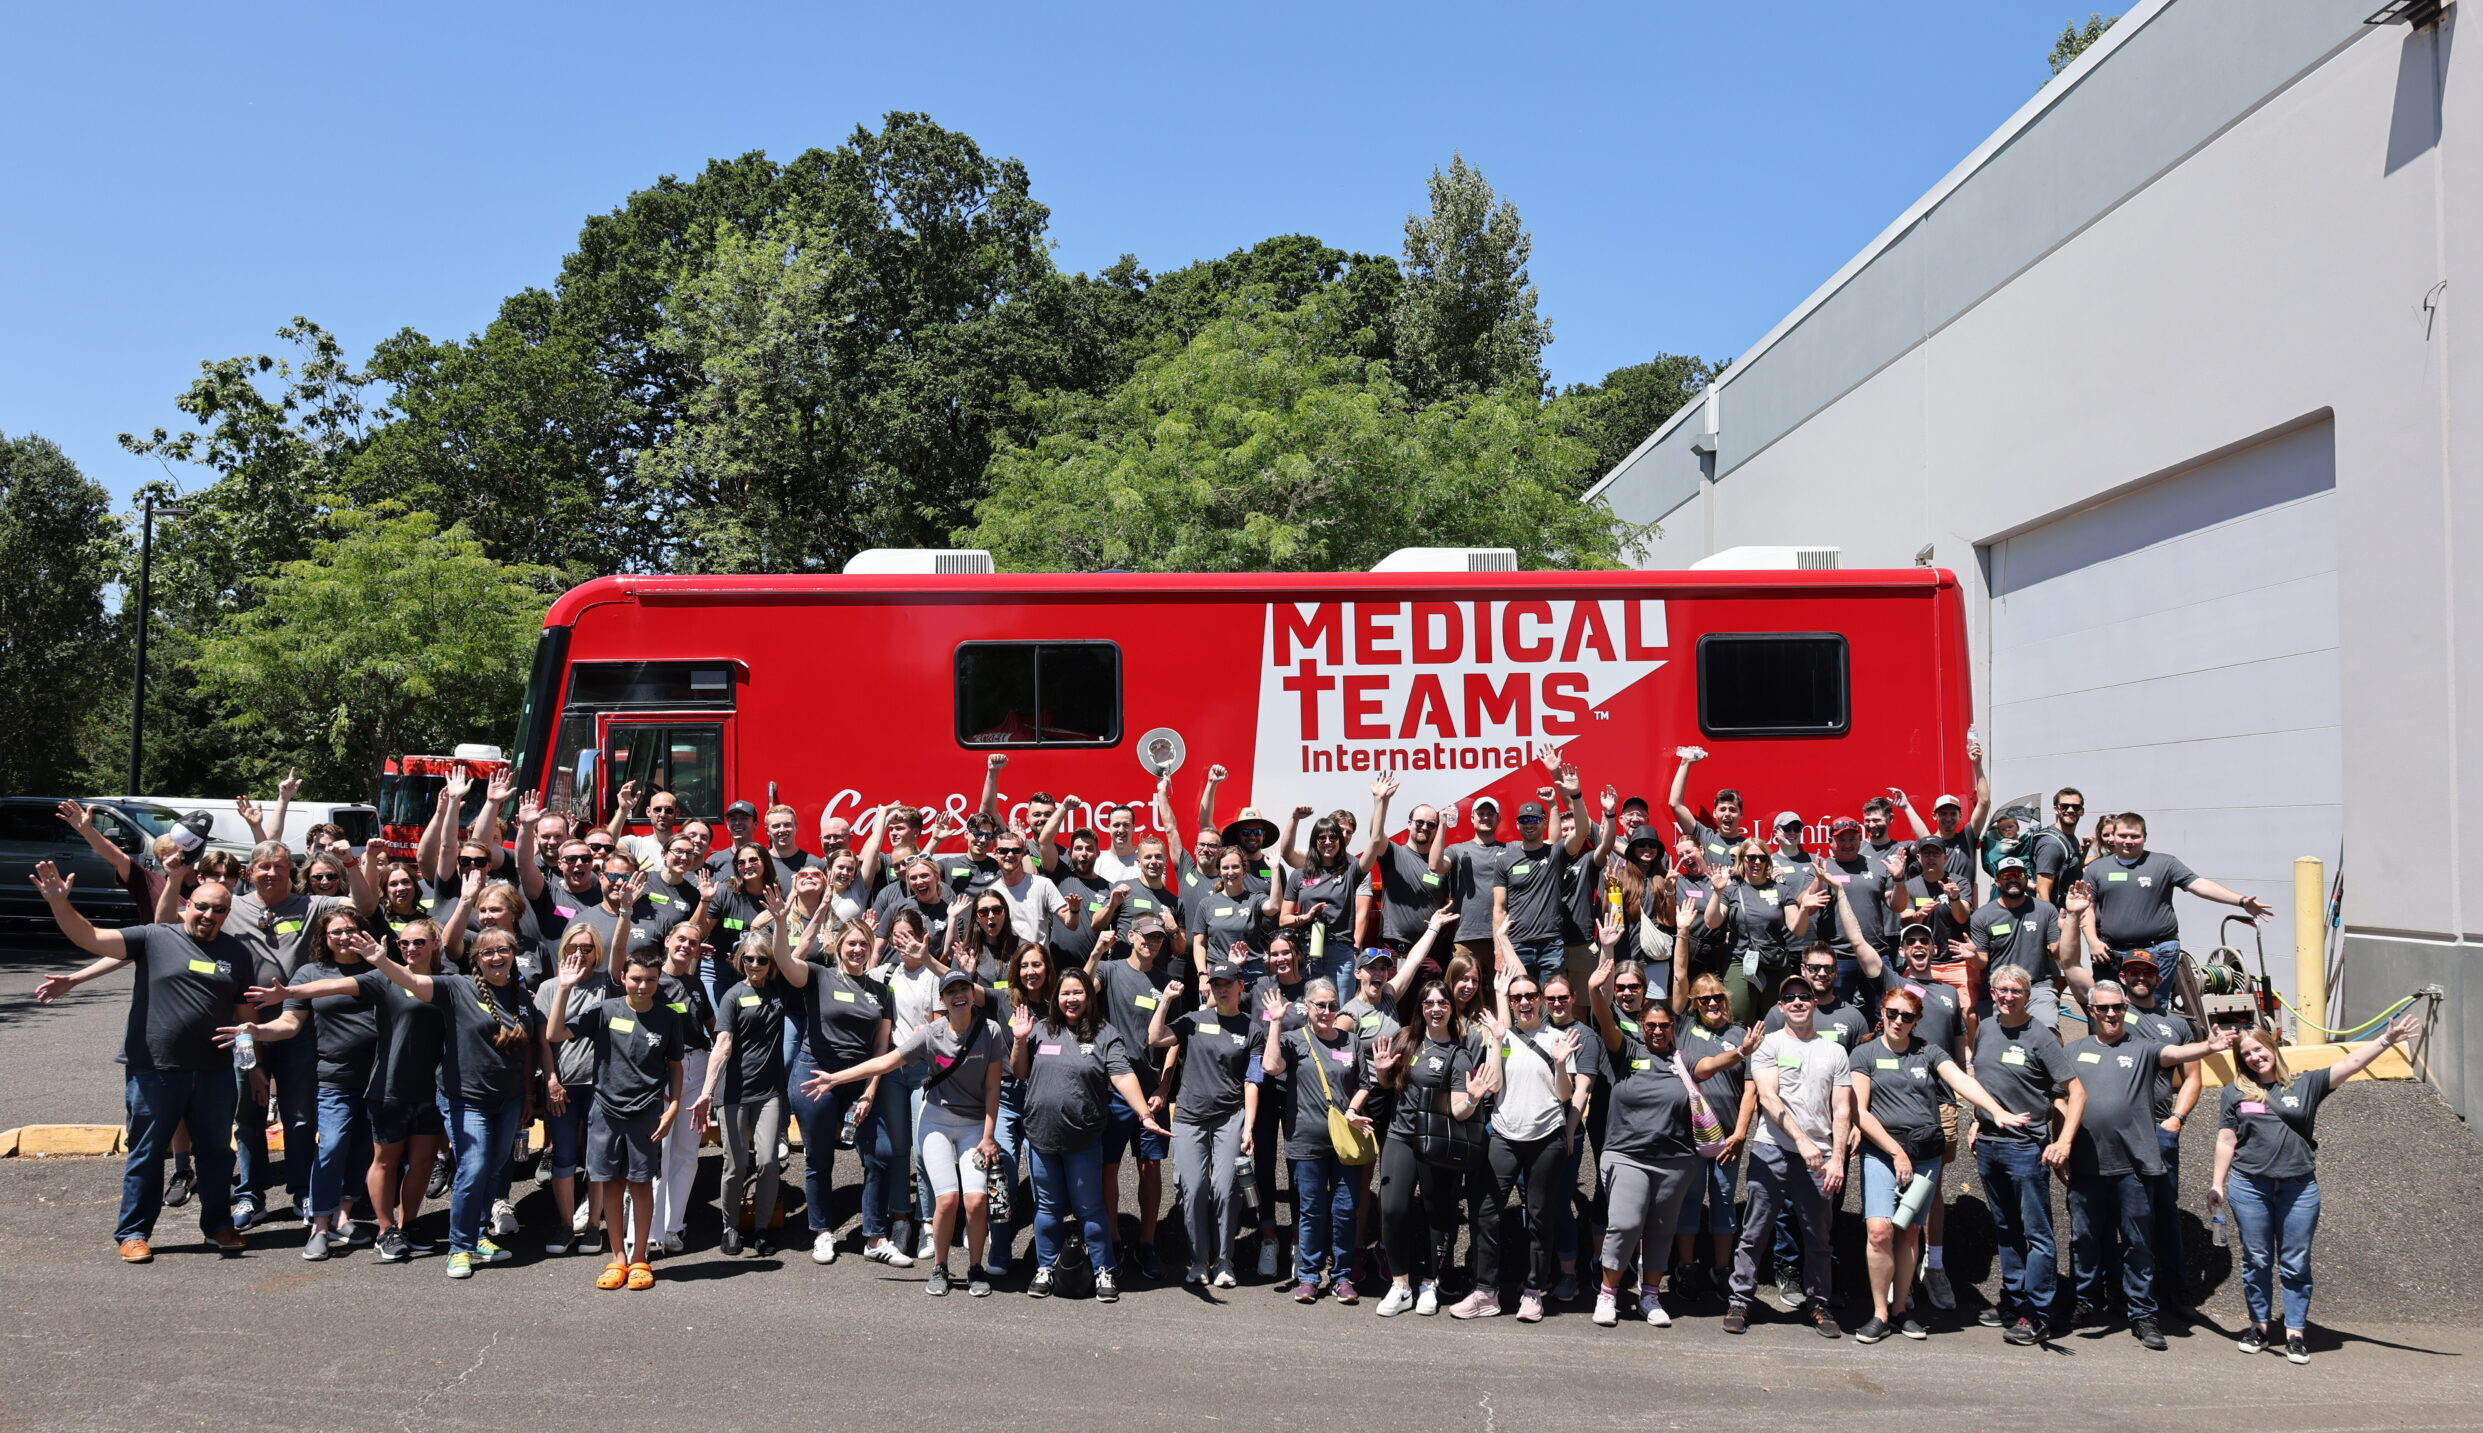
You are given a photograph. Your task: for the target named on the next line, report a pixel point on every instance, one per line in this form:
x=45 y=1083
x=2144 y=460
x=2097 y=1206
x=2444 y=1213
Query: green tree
x=60 y=545
x=1617 y=414
x=391 y=635
x=1465 y=319
x=2074 y=39
x=1263 y=444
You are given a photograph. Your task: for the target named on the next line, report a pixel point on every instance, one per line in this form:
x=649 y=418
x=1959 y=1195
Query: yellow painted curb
x=2217 y=1070
x=56 y=1141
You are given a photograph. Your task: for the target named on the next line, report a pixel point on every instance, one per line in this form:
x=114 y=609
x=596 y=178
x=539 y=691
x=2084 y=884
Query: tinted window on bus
x=651 y=684
x=684 y=759
x=1038 y=694
x=1772 y=684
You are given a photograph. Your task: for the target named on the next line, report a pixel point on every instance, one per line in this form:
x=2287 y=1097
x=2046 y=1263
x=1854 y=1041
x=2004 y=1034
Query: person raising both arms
x=1527 y=897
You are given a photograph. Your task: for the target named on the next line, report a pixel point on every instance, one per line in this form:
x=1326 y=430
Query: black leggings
x=1540 y=1163
x=1418 y=1208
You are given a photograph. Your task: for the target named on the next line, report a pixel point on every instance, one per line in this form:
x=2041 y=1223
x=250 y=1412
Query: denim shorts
x=621 y=1146
x=1122 y=1130
x=394 y=1124
x=1879 y=1182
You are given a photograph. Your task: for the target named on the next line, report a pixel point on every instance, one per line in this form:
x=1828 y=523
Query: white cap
x=1788 y=818
x=1948 y=801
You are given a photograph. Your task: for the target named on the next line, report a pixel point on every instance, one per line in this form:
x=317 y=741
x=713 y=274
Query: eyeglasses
x=1323 y=1005
x=1899 y=1012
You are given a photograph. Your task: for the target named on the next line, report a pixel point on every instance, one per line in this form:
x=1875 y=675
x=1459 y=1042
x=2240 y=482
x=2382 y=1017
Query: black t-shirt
x=687 y=998
x=664 y=906
x=966 y=875
x=894 y=898
x=1069 y=1085
x=1409 y=891
x=1906 y=1092
x=2116 y=1135
x=842 y=1015
x=1339 y=1058
x=2134 y=900
x=800 y=860
x=1928 y=904
x=558 y=906
x=1756 y=918
x=1943 y=1021
x=2274 y=1137
x=736 y=914
x=2170 y=1029
x=346 y=1027
x=1865 y=882
x=635 y=1051
x=2056 y=854
x=1139 y=899
x=405 y=1073
x=2021 y=1068
x=1335 y=889
x=473 y=1068
x=1435 y=1070
x=1649 y=1113
x=1215 y=1057
x=1223 y=919
x=755 y=1018
x=185 y=991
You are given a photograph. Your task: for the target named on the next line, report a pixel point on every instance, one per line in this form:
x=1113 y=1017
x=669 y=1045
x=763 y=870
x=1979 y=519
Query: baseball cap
x=1636 y=803
x=1931 y=843
x=1147 y=925
x=1531 y=808
x=1787 y=818
x=1948 y=801
x=1906 y=931
x=2010 y=863
x=1482 y=801
x=1224 y=970
x=1373 y=955
x=190 y=832
x=955 y=977
x=2131 y=964
x=1843 y=824
x=1795 y=985
x=741 y=808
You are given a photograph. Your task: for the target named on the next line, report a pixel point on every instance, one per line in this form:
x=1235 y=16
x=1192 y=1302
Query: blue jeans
x=1542 y=958
x=1008 y=1130
x=566 y=1134
x=2020 y=1189
x=902 y=1089
x=2276 y=1219
x=1708 y=1208
x=821 y=1119
x=1066 y=1184
x=480 y=1134
x=292 y=1066
x=344 y=1151
x=160 y=1102
x=1324 y=1213
x=2172 y=1261
x=2104 y=1208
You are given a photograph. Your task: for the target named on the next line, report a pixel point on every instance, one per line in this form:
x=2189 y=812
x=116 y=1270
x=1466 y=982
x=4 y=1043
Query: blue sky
x=188 y=177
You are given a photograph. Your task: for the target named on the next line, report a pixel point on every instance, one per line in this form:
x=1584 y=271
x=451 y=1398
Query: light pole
x=138 y=687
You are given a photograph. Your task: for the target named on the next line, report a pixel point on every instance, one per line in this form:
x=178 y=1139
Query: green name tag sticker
x=2003 y=927
x=1141 y=903
x=623 y=1025
x=399 y=926
x=677 y=1007
x=659 y=899
x=733 y=923
x=1368 y=1022
x=287 y=927
x=1431 y=878
x=479 y=1005
x=2116 y=875
x=843 y=997
x=2089 y=1057
x=1887 y=1064
x=1642 y=1064
x=2013 y=1057
x=202 y=967
x=749 y=1001
x=1788 y=1062
x=1093 y=906
x=1630 y=1025
x=959 y=873
x=1145 y=1002
x=1836 y=1033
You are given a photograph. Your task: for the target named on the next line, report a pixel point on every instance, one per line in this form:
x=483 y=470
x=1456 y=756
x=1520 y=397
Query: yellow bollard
x=2310 y=947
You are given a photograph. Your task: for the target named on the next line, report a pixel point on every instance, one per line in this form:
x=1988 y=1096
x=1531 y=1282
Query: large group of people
x=1514 y=1071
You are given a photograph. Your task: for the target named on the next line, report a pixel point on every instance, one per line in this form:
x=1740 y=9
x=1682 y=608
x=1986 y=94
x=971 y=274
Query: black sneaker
x=2297 y=1348
x=1150 y=1265
x=418 y=1246
x=179 y=1188
x=2023 y=1332
x=438 y=1184
x=1737 y=1318
x=1989 y=1316
x=1911 y=1326
x=1825 y=1323
x=392 y=1248
x=1040 y=1286
x=2145 y=1331
x=2253 y=1340
x=1107 y=1288
x=2088 y=1315
x=731 y=1242
x=1873 y=1330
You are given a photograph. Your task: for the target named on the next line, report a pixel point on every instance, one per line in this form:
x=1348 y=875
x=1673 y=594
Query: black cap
x=1531 y=808
x=1635 y=803
x=741 y=808
x=955 y=977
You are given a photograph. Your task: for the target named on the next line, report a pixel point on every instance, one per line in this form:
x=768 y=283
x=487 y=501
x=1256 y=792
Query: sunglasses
x=1819 y=970
x=1899 y=1012
x=565 y=860
x=416 y=942
x=1793 y=998
x=1658 y=1027
x=600 y=848
x=1558 y=999
x=209 y=910
x=1525 y=995
x=2100 y=1009
x=1713 y=999
x=1010 y=851
x=317 y=876
x=2067 y=806
x=476 y=862
x=1435 y=1001
x=1323 y=1005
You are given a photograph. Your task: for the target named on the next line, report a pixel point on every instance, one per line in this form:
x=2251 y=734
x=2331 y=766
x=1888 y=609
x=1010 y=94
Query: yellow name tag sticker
x=2116 y=875
x=202 y=967
x=843 y=997
x=659 y=899
x=1788 y=1062
x=2003 y=928
x=1368 y=1022
x=1208 y=1027
x=1885 y=1064
x=2013 y=1057
x=287 y=927
x=677 y=1007
x=749 y=1000
x=1642 y=1064
x=1144 y=1002
x=2089 y=1057
x=1221 y=912
x=623 y=1025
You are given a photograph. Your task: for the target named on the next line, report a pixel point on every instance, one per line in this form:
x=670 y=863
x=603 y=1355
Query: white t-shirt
x=647 y=851
x=1808 y=1075
x=915 y=996
x=1111 y=868
x=1530 y=1107
x=1031 y=903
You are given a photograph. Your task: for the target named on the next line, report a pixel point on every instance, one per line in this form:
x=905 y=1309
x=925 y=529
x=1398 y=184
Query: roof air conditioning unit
x=1768 y=559
x=919 y=562
x=1448 y=559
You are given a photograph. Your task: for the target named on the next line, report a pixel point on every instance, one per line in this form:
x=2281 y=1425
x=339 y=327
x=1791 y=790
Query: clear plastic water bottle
x=245 y=1051
x=2218 y=1230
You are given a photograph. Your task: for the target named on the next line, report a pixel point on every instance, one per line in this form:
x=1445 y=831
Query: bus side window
x=1772 y=684
x=686 y=759
x=1017 y=694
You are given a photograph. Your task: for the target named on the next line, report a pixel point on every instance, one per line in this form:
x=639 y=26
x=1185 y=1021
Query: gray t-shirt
x=278 y=935
x=1943 y=1022
x=1723 y=1089
x=1649 y=1111
x=2170 y=1029
x=1866 y=890
x=2116 y=1135
x=1131 y=997
x=2022 y=937
x=1333 y=890
x=573 y=1060
x=1215 y=1055
x=1069 y=1085
x=2273 y=1137
x=1906 y=1092
x=2021 y=1068
x=960 y=1092
x=1338 y=1058
x=1531 y=880
x=2134 y=901
x=1474 y=867
x=1409 y=891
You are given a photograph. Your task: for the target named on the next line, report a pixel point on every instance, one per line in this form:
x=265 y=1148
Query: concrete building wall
x=2232 y=231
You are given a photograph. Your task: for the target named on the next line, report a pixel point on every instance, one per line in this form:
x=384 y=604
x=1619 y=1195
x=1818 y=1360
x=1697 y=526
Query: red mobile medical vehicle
x=1812 y=690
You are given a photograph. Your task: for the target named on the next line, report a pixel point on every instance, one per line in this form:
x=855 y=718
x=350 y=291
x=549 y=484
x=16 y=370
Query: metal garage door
x=2173 y=651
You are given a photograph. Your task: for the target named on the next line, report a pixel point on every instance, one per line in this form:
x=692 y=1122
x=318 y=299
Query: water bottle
x=1244 y=1167
x=246 y=1050
x=1911 y=1203
x=998 y=1206
x=2218 y=1230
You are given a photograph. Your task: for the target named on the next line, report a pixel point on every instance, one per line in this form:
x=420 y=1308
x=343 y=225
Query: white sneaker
x=927 y=1252
x=579 y=1218
x=1224 y=1277
x=503 y=1219
x=672 y=1244
x=1936 y=1287
x=1607 y=1309
x=1427 y=1302
x=1653 y=1308
x=1400 y=1298
x=1267 y=1256
x=887 y=1253
x=823 y=1248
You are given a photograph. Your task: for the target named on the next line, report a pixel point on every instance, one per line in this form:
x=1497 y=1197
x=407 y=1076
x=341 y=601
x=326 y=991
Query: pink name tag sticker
x=943 y=1061
x=1342 y=1057
x=1051 y=1049
x=564 y=912
x=2252 y=1107
x=1916 y=991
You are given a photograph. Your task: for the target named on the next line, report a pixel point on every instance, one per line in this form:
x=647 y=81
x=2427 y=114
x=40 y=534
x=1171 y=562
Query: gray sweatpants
x=1643 y=1204
x=750 y=1135
x=1777 y=1177
x=1204 y=1157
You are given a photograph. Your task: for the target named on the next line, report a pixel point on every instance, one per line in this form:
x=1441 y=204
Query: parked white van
x=231 y=833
